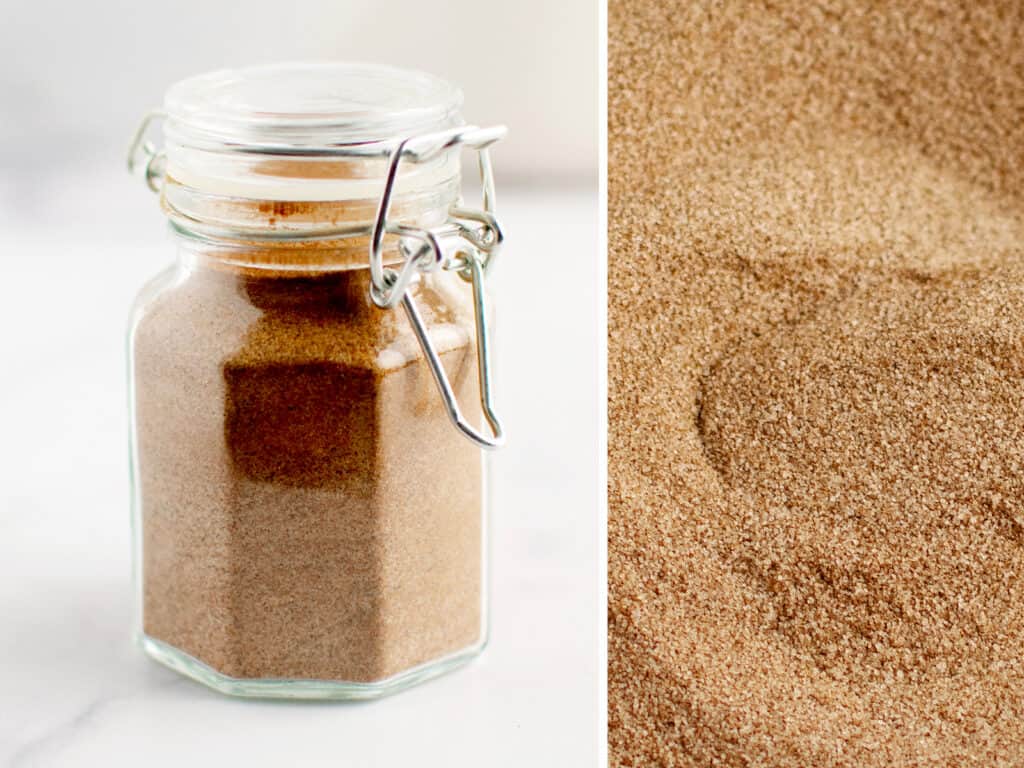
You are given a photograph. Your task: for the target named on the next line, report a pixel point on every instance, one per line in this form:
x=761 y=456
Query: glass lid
x=305 y=106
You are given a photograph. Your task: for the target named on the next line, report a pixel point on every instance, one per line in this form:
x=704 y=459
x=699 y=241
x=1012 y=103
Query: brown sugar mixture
x=308 y=510
x=816 y=350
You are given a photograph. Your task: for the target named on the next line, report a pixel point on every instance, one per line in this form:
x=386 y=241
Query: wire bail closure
x=467 y=243
x=143 y=153
x=476 y=237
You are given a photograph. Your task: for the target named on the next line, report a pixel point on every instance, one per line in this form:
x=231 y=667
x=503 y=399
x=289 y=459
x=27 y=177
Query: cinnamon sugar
x=816 y=384
x=295 y=521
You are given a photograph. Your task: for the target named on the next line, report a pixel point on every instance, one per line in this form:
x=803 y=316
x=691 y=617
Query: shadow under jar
x=309 y=384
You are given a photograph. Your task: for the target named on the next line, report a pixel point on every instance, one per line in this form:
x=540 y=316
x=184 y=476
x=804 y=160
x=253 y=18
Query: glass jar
x=308 y=482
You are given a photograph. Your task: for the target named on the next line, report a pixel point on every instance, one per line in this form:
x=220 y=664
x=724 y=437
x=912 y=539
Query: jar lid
x=308 y=131
x=305 y=106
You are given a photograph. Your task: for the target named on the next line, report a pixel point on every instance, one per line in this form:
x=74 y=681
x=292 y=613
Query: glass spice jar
x=308 y=483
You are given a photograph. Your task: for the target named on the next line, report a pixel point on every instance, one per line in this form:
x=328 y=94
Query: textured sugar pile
x=816 y=383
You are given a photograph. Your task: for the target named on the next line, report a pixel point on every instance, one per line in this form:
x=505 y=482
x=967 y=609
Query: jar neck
x=220 y=216
x=245 y=197
x=287 y=226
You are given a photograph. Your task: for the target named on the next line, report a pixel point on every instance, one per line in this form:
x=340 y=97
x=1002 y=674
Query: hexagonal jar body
x=308 y=521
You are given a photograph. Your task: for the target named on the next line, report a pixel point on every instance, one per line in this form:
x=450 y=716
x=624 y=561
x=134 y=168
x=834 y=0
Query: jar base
x=285 y=688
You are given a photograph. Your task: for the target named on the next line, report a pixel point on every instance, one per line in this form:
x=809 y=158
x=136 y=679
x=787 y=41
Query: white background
x=80 y=74
x=77 y=238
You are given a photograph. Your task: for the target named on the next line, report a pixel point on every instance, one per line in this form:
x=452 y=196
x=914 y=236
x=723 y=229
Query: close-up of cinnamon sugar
x=816 y=384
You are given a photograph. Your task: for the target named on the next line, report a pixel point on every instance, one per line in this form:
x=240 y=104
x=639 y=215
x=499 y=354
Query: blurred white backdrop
x=77 y=76
x=79 y=236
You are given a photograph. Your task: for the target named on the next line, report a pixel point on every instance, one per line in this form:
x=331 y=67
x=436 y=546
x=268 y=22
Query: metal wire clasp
x=143 y=153
x=477 y=237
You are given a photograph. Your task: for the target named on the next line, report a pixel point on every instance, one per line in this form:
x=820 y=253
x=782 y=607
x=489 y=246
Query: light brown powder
x=308 y=510
x=816 y=357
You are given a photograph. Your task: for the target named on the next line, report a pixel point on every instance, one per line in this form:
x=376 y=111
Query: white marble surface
x=76 y=692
